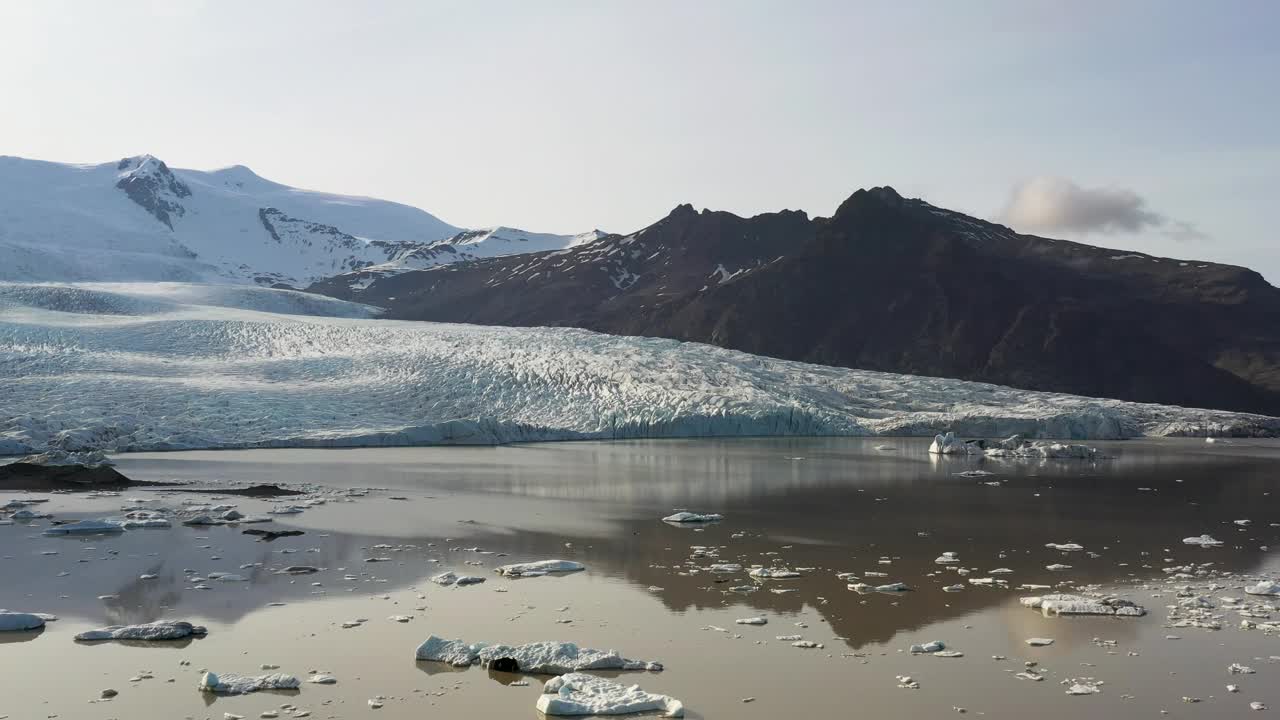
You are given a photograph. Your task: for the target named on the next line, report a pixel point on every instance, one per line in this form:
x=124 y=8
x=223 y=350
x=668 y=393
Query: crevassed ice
x=185 y=368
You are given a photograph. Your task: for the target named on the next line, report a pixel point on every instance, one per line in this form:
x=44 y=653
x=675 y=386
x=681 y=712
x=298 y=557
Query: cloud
x=1057 y=205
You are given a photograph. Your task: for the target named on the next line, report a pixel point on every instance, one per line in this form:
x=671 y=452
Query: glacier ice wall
x=131 y=367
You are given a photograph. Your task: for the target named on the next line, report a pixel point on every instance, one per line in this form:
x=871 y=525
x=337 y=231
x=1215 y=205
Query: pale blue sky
x=562 y=116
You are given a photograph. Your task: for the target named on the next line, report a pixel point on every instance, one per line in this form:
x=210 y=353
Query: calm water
x=829 y=506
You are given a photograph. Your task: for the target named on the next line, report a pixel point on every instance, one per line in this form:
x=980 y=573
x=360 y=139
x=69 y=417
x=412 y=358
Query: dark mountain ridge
x=894 y=284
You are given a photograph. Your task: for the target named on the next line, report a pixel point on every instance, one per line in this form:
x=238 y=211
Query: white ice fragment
x=85 y=527
x=230 y=684
x=155 y=631
x=17 y=622
x=1265 y=587
x=1065 y=547
x=1202 y=541
x=948 y=444
x=773 y=573
x=322 y=679
x=691 y=517
x=929 y=647
x=540 y=567
x=1039 y=642
x=581 y=694
x=1063 y=604
x=752 y=621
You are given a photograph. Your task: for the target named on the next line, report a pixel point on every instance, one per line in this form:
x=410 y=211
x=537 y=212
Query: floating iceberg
x=949 y=444
x=581 y=694
x=691 y=517
x=451 y=578
x=1266 y=587
x=550 y=658
x=17 y=622
x=539 y=568
x=86 y=527
x=453 y=652
x=773 y=573
x=156 y=631
x=230 y=684
x=1203 y=541
x=1063 y=604
x=189 y=374
x=928 y=648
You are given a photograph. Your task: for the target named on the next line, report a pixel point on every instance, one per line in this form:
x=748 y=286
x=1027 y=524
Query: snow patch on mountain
x=174 y=366
x=467 y=245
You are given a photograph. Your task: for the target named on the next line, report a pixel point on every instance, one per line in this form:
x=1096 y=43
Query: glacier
x=169 y=366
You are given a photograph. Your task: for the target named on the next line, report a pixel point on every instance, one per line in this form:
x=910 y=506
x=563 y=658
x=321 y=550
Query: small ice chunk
x=929 y=647
x=692 y=517
x=557 y=658
x=752 y=621
x=1266 y=587
x=1039 y=642
x=947 y=558
x=454 y=652
x=773 y=573
x=1203 y=541
x=449 y=577
x=581 y=694
x=1065 y=547
x=17 y=622
x=230 y=684
x=156 y=631
x=322 y=679
x=85 y=527
x=539 y=568
x=949 y=444
x=1063 y=604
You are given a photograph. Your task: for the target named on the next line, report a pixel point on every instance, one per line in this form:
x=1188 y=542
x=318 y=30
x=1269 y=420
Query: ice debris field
x=134 y=367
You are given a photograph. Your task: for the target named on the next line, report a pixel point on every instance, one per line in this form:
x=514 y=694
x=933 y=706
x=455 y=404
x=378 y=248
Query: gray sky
x=1146 y=125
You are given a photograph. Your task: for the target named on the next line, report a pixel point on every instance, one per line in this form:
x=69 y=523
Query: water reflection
x=828 y=505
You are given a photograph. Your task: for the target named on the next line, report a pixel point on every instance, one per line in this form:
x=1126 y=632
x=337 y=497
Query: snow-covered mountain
x=156 y=366
x=138 y=219
x=465 y=245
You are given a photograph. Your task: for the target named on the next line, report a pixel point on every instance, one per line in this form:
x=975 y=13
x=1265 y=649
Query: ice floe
x=582 y=694
x=449 y=578
x=552 y=658
x=1063 y=604
x=17 y=622
x=692 y=517
x=1203 y=541
x=85 y=527
x=539 y=568
x=230 y=684
x=155 y=631
x=1265 y=587
x=773 y=573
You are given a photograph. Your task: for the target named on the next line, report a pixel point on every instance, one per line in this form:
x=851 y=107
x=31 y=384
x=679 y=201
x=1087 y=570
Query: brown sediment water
x=819 y=506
